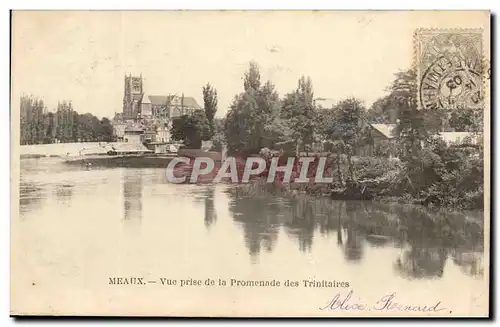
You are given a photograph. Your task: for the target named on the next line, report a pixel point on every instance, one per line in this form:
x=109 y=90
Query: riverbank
x=450 y=177
x=385 y=180
x=79 y=149
x=262 y=188
x=126 y=161
x=63 y=149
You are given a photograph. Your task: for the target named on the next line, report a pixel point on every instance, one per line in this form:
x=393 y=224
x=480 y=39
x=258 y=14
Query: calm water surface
x=79 y=227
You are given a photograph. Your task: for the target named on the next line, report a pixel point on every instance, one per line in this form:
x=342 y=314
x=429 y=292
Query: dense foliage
x=300 y=114
x=192 y=129
x=40 y=126
x=210 y=104
x=253 y=120
x=427 y=170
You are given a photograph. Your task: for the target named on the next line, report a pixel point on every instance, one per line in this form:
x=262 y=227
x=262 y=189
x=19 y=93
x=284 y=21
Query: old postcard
x=250 y=163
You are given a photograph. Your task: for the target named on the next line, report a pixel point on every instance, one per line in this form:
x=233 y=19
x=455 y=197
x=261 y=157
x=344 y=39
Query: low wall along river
x=63 y=149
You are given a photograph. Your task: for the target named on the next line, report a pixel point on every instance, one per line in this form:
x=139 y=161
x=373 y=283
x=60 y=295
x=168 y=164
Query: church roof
x=146 y=99
x=158 y=99
x=162 y=100
x=191 y=102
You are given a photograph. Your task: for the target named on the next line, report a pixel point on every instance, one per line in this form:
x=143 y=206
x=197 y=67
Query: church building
x=139 y=105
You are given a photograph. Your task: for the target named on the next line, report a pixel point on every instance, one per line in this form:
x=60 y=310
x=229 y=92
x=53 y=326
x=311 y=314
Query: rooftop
x=176 y=100
x=146 y=99
x=386 y=129
x=451 y=137
x=134 y=128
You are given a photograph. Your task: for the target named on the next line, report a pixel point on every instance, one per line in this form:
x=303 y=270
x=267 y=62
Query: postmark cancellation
x=449 y=68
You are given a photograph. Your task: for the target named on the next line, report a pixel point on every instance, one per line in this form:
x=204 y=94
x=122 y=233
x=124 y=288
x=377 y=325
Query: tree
x=325 y=123
x=238 y=123
x=192 y=129
x=411 y=125
x=83 y=127
x=299 y=110
x=65 y=122
x=382 y=111
x=39 y=126
x=347 y=129
x=467 y=120
x=218 y=138
x=251 y=79
x=106 y=130
x=210 y=104
x=32 y=127
x=50 y=123
x=267 y=116
x=251 y=120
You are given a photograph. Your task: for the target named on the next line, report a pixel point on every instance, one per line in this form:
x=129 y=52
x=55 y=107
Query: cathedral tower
x=132 y=96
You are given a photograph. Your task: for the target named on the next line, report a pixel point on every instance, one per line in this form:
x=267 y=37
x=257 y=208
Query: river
x=78 y=227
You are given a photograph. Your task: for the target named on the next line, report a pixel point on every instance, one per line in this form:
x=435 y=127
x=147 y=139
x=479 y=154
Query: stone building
x=134 y=134
x=137 y=104
x=148 y=118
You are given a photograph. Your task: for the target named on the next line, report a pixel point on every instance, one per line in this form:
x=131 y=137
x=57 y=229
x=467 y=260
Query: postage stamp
x=449 y=68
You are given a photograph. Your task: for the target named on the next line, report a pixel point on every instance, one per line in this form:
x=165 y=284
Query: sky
x=83 y=56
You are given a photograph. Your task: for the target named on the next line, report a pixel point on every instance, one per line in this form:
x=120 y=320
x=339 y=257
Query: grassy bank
x=455 y=182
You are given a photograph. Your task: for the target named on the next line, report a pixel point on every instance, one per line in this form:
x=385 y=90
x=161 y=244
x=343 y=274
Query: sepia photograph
x=250 y=163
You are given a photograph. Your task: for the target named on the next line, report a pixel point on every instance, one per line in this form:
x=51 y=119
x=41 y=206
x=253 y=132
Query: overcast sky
x=83 y=56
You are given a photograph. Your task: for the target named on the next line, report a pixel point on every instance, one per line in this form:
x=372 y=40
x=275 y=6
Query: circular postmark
x=451 y=73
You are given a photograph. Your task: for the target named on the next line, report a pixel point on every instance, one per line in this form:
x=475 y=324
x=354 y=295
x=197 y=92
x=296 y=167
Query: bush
x=461 y=187
x=218 y=143
x=442 y=175
x=371 y=168
x=451 y=176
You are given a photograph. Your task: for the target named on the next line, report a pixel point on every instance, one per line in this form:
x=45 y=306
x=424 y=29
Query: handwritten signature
x=388 y=302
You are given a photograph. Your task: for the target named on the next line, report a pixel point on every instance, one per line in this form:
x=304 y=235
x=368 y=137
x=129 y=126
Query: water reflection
x=426 y=238
x=210 y=212
x=300 y=224
x=419 y=243
x=132 y=194
x=470 y=263
x=31 y=197
x=421 y=262
x=353 y=247
x=260 y=222
x=64 y=193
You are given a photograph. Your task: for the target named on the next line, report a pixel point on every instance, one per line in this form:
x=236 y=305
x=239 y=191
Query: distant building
x=382 y=139
x=139 y=105
x=149 y=136
x=134 y=134
x=148 y=118
x=163 y=134
x=182 y=105
x=119 y=130
x=457 y=137
x=382 y=132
